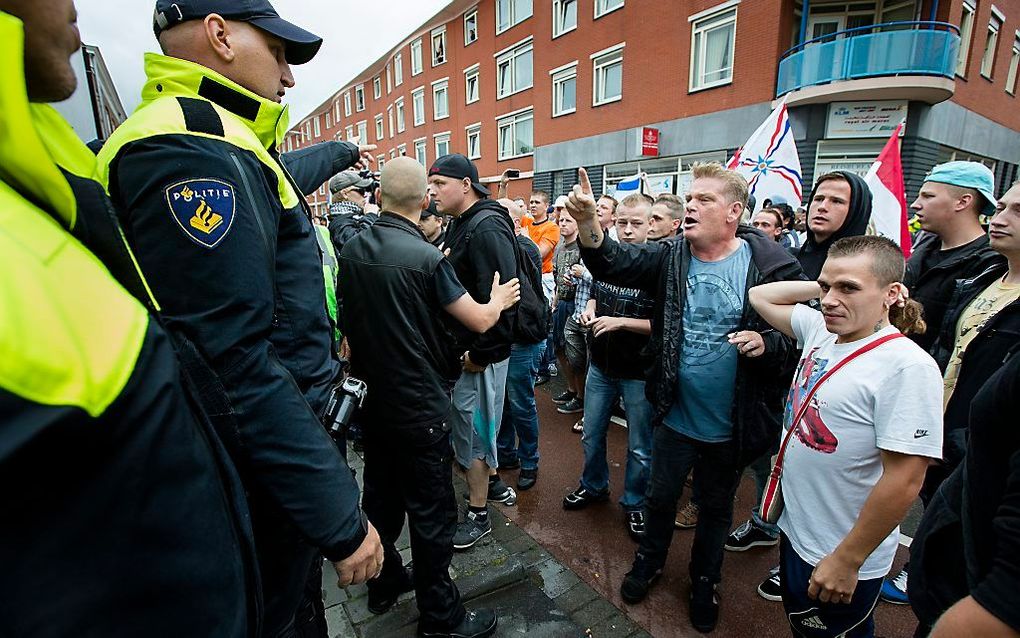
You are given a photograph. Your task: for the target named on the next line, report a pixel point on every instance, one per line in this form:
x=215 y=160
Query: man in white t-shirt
x=857 y=458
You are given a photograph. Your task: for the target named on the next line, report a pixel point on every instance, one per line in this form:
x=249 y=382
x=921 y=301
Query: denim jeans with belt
x=601 y=392
x=518 y=434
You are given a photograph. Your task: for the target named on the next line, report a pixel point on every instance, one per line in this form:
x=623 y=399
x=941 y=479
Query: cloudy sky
x=356 y=33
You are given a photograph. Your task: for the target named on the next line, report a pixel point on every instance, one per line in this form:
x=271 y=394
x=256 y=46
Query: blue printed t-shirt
x=708 y=363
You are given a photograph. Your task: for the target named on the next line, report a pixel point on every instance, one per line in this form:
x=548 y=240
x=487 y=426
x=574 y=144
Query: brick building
x=544 y=86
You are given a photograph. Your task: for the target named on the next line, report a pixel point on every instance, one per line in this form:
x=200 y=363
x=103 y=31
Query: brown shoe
x=687 y=518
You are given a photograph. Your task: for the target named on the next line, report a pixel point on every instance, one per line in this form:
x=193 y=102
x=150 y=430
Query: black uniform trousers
x=408 y=470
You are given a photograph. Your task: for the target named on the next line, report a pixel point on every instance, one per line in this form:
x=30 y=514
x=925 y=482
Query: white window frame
x=307 y=130
x=514 y=19
x=702 y=23
x=377 y=87
x=393 y=153
x=336 y=110
x=418 y=114
x=389 y=120
x=473 y=14
x=966 y=37
x=329 y=119
x=398 y=69
x=558 y=28
x=511 y=120
x=1014 y=66
x=473 y=130
x=380 y=161
x=441 y=138
x=995 y=24
x=359 y=98
x=473 y=71
x=349 y=132
x=347 y=104
x=441 y=34
x=605 y=7
x=440 y=86
x=600 y=61
x=363 y=132
x=389 y=79
x=380 y=130
x=560 y=75
x=417 y=66
x=401 y=115
x=402 y=150
x=317 y=126
x=509 y=56
x=423 y=157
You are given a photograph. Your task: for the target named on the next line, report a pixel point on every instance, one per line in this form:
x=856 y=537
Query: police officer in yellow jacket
x=122 y=515
x=225 y=239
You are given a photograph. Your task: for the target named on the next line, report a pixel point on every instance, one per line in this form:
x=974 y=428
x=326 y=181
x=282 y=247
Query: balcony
x=893 y=60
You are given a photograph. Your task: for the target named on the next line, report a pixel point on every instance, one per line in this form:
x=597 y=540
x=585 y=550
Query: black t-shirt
x=445 y=285
x=936 y=257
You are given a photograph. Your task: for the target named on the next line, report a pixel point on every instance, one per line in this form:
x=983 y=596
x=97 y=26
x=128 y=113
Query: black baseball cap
x=458 y=166
x=301 y=45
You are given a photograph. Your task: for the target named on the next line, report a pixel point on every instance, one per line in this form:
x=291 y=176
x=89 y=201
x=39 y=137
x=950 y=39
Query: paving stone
x=576 y=597
x=616 y=626
x=338 y=625
x=594 y=612
x=556 y=578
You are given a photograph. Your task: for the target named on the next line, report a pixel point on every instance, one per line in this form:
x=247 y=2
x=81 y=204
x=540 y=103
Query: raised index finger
x=582 y=176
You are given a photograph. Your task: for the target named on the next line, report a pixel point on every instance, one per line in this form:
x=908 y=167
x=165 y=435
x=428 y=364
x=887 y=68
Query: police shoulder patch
x=203 y=208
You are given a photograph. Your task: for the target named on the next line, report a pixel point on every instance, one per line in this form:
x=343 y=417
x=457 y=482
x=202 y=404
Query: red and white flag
x=769 y=161
x=889 y=200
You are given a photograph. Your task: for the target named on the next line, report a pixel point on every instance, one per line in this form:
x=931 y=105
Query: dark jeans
x=518 y=432
x=408 y=470
x=716 y=477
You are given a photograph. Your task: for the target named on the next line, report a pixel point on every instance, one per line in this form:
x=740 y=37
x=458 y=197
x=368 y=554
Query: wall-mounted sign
x=650 y=142
x=865 y=119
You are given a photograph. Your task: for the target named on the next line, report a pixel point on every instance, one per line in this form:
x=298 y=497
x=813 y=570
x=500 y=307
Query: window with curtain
x=440 y=100
x=418 y=106
x=442 y=145
x=514 y=71
x=416 y=64
x=712 y=48
x=470 y=27
x=516 y=135
x=474 y=141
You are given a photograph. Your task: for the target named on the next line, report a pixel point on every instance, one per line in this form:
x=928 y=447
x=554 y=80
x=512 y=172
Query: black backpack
x=531 y=321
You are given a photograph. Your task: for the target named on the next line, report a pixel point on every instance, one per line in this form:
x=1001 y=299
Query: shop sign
x=865 y=119
x=649 y=142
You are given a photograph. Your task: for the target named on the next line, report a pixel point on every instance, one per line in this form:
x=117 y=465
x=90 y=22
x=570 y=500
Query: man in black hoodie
x=481 y=243
x=839 y=206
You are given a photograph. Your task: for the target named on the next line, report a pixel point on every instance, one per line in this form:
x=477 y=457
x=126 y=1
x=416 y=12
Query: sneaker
x=553 y=370
x=687 y=518
x=500 y=492
x=771 y=588
x=571 y=407
x=582 y=498
x=747 y=536
x=704 y=605
x=541 y=379
x=636 y=525
x=564 y=397
x=471 y=530
x=380 y=599
x=478 y=623
x=527 y=478
x=639 y=580
x=895 y=591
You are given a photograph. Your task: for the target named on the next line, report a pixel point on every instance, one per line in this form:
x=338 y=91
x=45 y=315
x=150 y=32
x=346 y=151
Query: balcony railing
x=888 y=49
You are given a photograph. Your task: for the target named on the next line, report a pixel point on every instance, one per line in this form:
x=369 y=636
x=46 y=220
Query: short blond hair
x=735 y=185
x=673 y=204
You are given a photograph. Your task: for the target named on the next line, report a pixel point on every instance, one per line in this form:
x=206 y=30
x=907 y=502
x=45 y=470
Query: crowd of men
x=165 y=441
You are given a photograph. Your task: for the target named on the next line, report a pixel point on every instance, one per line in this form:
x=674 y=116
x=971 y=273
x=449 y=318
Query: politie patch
x=203 y=208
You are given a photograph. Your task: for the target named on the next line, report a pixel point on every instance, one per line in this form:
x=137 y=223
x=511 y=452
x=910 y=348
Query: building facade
x=95 y=109
x=653 y=86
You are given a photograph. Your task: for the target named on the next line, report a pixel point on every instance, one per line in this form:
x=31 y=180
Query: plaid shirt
x=582 y=293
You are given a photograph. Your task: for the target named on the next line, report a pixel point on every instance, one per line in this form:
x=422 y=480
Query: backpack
x=531 y=321
x=345 y=226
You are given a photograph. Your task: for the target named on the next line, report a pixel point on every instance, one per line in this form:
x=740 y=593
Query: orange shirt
x=547 y=232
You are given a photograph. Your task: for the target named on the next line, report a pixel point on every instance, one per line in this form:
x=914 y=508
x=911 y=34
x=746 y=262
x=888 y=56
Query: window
x=474 y=141
x=470 y=27
x=389 y=117
x=377 y=88
x=389 y=83
x=602 y=7
x=379 y=132
x=516 y=134
x=420 y=153
x=564 y=82
x=991 y=45
x=439 y=46
x=359 y=98
x=418 y=105
x=514 y=70
x=317 y=127
x=308 y=131
x=416 y=57
x=398 y=69
x=393 y=154
x=380 y=161
x=471 y=85
x=336 y=111
x=712 y=40
x=608 y=76
x=329 y=119
x=347 y=104
x=564 y=16
x=442 y=144
x=966 y=35
x=510 y=13
x=350 y=133
x=362 y=132
x=290 y=144
x=402 y=150
x=400 y=115
x=1014 y=62
x=441 y=99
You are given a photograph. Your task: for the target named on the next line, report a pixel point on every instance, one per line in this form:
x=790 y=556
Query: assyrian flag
x=769 y=161
x=630 y=185
x=889 y=200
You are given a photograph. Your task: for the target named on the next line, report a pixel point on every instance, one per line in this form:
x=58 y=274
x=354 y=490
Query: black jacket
x=813 y=253
x=391 y=317
x=934 y=287
x=488 y=249
x=968 y=542
x=660 y=269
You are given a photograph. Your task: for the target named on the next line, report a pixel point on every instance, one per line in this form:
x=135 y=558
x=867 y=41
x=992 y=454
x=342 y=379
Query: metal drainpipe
x=804 y=19
x=934 y=10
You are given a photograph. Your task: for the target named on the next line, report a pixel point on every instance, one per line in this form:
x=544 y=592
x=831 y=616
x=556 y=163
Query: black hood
x=812 y=255
x=477 y=207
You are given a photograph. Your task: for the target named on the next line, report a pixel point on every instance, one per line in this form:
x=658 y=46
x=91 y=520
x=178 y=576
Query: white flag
x=770 y=163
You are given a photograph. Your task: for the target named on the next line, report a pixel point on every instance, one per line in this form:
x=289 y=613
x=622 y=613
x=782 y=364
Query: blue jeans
x=520 y=415
x=600 y=393
x=761 y=468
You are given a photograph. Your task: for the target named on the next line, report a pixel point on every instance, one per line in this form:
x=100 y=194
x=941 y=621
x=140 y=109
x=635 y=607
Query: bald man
x=394 y=287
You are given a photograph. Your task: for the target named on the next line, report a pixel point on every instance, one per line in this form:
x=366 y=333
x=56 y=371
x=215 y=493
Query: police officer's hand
x=364 y=564
x=367 y=159
x=506 y=295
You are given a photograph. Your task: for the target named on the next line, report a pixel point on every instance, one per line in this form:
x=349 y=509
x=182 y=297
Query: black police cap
x=301 y=45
